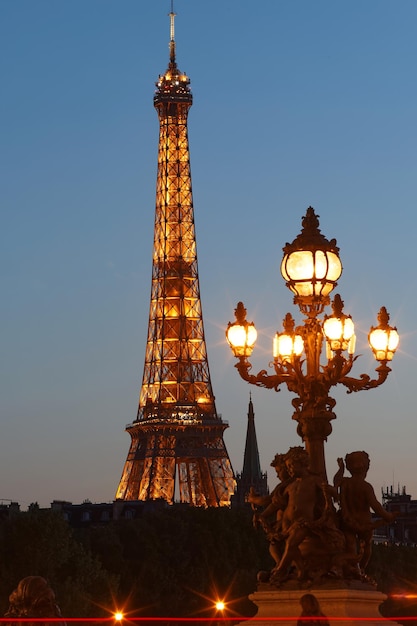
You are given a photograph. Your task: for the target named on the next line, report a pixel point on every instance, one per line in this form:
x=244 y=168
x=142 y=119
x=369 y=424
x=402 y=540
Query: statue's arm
x=337 y=479
x=255 y=498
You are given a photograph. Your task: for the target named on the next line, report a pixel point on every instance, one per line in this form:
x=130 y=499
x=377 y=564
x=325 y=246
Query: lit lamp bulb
x=241 y=335
x=383 y=338
x=287 y=344
x=339 y=329
x=311 y=266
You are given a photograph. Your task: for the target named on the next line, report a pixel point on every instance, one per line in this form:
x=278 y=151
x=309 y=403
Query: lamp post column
x=313 y=406
x=314 y=427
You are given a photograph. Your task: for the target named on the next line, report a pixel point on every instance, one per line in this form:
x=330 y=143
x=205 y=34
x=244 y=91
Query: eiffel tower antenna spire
x=172 y=34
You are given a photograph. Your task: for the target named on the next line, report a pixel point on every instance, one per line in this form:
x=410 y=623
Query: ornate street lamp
x=311 y=267
x=241 y=335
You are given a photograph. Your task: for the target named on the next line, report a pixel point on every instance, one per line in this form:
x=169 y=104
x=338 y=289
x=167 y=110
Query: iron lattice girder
x=176 y=367
x=178 y=435
x=196 y=452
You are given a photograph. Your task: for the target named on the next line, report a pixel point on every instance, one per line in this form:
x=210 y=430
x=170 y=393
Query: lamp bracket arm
x=364 y=382
x=262 y=378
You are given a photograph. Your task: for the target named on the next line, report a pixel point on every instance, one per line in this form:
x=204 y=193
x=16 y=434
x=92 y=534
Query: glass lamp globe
x=287 y=344
x=311 y=265
x=241 y=335
x=339 y=328
x=383 y=339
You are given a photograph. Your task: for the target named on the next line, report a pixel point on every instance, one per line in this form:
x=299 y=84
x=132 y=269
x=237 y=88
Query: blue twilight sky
x=296 y=103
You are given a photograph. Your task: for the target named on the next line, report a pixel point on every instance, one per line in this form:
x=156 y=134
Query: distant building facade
x=8 y=510
x=403 y=531
x=91 y=514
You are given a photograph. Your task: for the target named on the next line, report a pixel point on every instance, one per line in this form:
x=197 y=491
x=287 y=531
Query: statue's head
x=33 y=597
x=310 y=604
x=278 y=462
x=357 y=462
x=296 y=460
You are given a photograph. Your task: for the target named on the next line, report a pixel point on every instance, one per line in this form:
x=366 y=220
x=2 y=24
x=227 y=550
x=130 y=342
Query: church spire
x=251 y=463
x=251 y=475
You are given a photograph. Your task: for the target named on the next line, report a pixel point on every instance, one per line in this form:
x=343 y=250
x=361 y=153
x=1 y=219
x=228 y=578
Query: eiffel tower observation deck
x=177 y=450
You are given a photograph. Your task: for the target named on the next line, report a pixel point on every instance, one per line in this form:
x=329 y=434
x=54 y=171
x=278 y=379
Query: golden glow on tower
x=178 y=435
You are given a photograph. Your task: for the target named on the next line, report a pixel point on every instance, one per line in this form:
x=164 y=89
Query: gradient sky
x=296 y=103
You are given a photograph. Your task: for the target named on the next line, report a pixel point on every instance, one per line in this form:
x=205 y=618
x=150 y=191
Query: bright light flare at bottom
x=220 y=605
x=118 y=616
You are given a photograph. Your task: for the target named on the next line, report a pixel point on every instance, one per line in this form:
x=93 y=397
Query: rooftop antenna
x=172 y=34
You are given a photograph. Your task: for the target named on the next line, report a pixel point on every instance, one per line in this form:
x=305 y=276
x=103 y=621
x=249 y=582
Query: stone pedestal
x=347 y=604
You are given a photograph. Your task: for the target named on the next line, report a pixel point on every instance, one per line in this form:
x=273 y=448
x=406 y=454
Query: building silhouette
x=403 y=530
x=251 y=475
x=177 y=438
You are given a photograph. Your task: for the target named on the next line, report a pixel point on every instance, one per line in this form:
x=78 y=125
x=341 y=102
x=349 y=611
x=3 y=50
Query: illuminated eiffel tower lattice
x=177 y=449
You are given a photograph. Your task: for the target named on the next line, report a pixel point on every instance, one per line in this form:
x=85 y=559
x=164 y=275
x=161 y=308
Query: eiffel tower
x=177 y=438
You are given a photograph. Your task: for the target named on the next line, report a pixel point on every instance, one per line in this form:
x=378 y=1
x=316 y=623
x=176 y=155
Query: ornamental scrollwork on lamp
x=311 y=267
